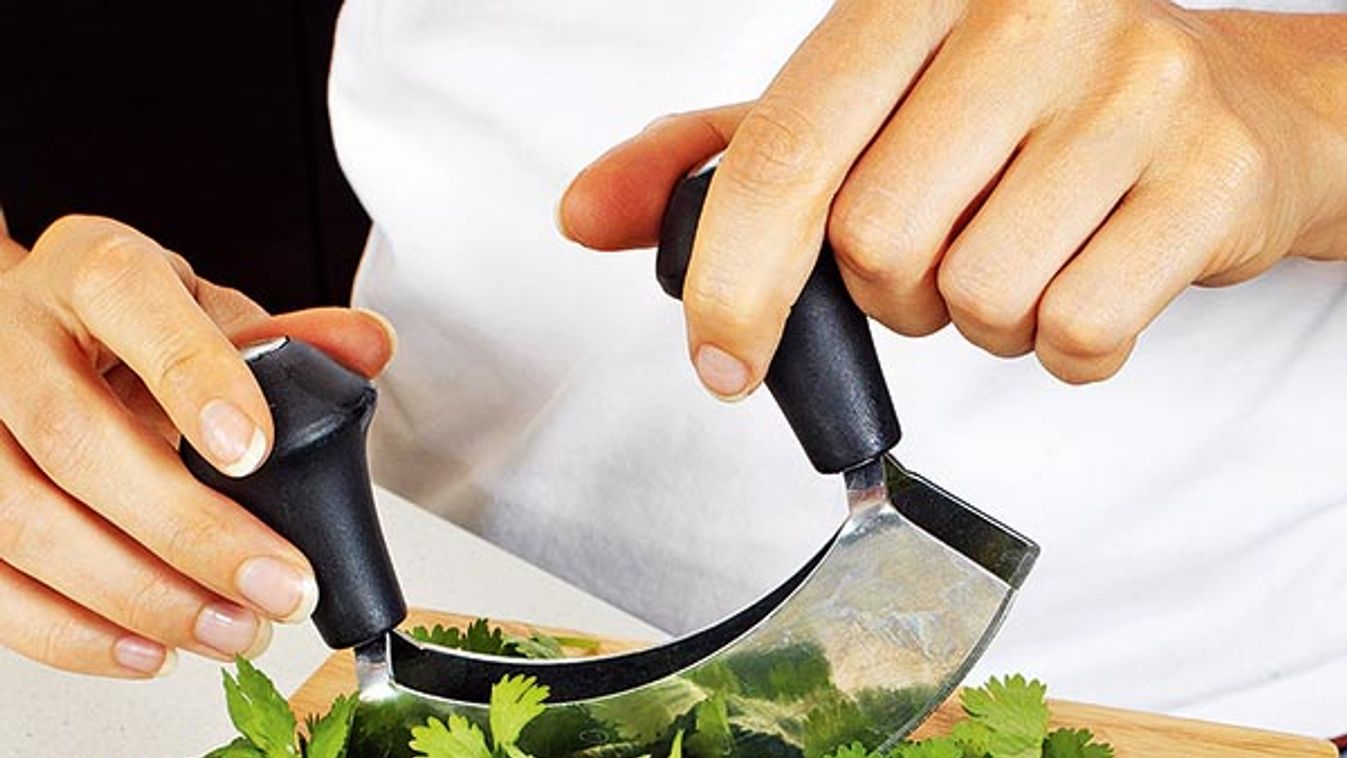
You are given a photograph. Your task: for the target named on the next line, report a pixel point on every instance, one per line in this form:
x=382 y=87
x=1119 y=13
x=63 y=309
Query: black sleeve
x=202 y=124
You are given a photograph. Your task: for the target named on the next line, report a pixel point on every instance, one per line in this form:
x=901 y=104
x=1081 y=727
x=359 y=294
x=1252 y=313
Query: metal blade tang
x=372 y=673
x=867 y=486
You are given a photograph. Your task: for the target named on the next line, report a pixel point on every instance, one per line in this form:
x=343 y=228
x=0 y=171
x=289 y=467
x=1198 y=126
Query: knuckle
x=1170 y=57
x=862 y=247
x=24 y=532
x=176 y=365
x=191 y=540
x=1010 y=22
x=1076 y=331
x=68 y=227
x=56 y=643
x=15 y=517
x=775 y=145
x=59 y=437
x=1045 y=25
x=976 y=295
x=728 y=305
x=111 y=261
x=872 y=240
x=145 y=608
x=1244 y=170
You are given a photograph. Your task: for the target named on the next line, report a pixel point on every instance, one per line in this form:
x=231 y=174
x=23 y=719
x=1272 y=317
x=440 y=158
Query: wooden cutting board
x=1132 y=734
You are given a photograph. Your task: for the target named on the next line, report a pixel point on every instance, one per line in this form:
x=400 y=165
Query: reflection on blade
x=877 y=634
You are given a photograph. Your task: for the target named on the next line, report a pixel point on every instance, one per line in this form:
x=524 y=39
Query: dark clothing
x=202 y=124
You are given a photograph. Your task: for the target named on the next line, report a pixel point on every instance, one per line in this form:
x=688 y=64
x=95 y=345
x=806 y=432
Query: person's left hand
x=1047 y=174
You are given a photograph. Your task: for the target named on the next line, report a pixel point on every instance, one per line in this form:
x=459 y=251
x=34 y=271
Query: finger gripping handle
x=825 y=375
x=314 y=489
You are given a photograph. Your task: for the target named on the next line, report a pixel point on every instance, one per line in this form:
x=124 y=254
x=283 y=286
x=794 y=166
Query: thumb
x=617 y=202
x=362 y=341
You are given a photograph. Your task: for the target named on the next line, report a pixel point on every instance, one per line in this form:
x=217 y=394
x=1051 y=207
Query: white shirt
x=1191 y=511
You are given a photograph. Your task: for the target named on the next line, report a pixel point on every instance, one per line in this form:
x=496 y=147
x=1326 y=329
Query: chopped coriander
x=1074 y=743
x=458 y=738
x=1005 y=718
x=515 y=702
x=481 y=637
x=267 y=726
x=259 y=712
x=478 y=637
x=781 y=702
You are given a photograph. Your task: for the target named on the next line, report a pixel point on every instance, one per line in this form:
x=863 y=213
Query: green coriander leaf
x=536 y=646
x=481 y=637
x=1075 y=743
x=711 y=735
x=645 y=716
x=444 y=636
x=786 y=673
x=936 y=747
x=239 y=748
x=459 y=739
x=259 y=712
x=327 y=735
x=1015 y=713
x=586 y=645
x=854 y=750
x=676 y=749
x=836 y=720
x=515 y=701
x=973 y=736
x=716 y=676
x=478 y=637
x=512 y=751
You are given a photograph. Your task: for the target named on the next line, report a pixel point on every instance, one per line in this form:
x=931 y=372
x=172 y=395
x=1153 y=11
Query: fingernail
x=668 y=118
x=558 y=218
x=283 y=591
x=386 y=325
x=227 y=628
x=144 y=656
x=233 y=440
x=722 y=373
x=262 y=642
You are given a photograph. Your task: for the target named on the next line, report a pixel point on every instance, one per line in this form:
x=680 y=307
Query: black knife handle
x=825 y=374
x=314 y=489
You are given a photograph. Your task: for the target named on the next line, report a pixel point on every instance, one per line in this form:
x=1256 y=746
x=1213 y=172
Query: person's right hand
x=111 y=554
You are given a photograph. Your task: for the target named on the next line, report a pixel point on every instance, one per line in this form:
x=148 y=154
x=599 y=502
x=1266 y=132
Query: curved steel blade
x=862 y=643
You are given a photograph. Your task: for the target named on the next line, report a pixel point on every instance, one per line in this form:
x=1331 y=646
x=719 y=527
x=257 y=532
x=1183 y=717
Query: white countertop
x=50 y=713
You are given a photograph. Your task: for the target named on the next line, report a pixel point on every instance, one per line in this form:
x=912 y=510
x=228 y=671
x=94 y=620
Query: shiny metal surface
x=874 y=633
x=371 y=668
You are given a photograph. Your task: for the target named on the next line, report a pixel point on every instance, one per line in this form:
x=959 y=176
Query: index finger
x=122 y=289
x=767 y=206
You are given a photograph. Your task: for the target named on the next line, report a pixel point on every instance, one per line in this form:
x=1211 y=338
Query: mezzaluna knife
x=882 y=623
